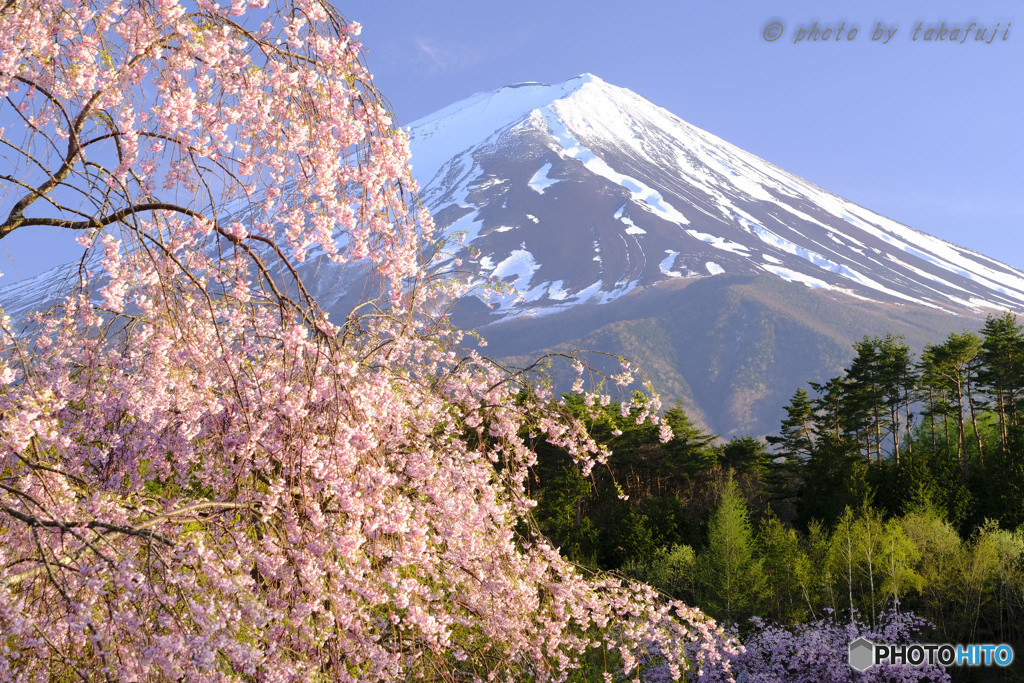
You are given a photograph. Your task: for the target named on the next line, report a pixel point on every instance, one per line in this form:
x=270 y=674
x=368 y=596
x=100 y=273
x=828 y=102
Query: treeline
x=943 y=430
x=898 y=484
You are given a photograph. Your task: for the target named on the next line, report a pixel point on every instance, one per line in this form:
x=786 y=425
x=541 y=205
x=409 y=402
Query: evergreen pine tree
x=732 y=577
x=1002 y=371
x=796 y=435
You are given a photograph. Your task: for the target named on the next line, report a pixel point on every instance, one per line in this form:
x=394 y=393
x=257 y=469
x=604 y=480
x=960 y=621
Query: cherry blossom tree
x=202 y=477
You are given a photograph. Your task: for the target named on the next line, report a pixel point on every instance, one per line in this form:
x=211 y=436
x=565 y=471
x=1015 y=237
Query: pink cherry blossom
x=202 y=477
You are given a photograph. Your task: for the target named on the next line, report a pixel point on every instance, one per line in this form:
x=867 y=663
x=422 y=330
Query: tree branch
x=107 y=529
x=116 y=217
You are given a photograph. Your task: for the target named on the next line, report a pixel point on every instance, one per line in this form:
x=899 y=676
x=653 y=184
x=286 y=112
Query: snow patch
x=719 y=242
x=589 y=292
x=924 y=273
x=557 y=291
x=631 y=227
x=666 y=264
x=794 y=276
x=468 y=227
x=540 y=180
x=519 y=264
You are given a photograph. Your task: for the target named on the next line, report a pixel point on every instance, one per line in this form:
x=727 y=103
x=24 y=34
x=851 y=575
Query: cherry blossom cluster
x=201 y=476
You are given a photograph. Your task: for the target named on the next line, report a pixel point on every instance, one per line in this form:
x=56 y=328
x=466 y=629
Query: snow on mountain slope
x=465 y=124
x=602 y=193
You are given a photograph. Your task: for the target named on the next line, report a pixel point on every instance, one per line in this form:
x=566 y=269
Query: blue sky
x=927 y=133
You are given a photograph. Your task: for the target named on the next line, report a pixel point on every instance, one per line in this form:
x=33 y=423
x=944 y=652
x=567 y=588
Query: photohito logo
x=864 y=654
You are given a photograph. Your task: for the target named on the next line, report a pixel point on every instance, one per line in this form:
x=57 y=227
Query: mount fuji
x=623 y=228
x=585 y=192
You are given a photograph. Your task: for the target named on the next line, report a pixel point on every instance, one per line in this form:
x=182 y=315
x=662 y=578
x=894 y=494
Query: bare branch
x=116 y=217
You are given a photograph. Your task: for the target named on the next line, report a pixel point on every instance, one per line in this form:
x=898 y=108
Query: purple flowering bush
x=817 y=652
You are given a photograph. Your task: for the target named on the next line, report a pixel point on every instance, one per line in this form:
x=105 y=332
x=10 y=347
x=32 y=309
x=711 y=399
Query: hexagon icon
x=862 y=654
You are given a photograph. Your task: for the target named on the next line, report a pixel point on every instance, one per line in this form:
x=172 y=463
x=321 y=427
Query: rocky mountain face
x=623 y=228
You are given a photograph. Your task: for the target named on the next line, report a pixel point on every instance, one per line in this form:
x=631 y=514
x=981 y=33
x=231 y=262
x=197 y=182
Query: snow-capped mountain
x=627 y=230
x=584 y=192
